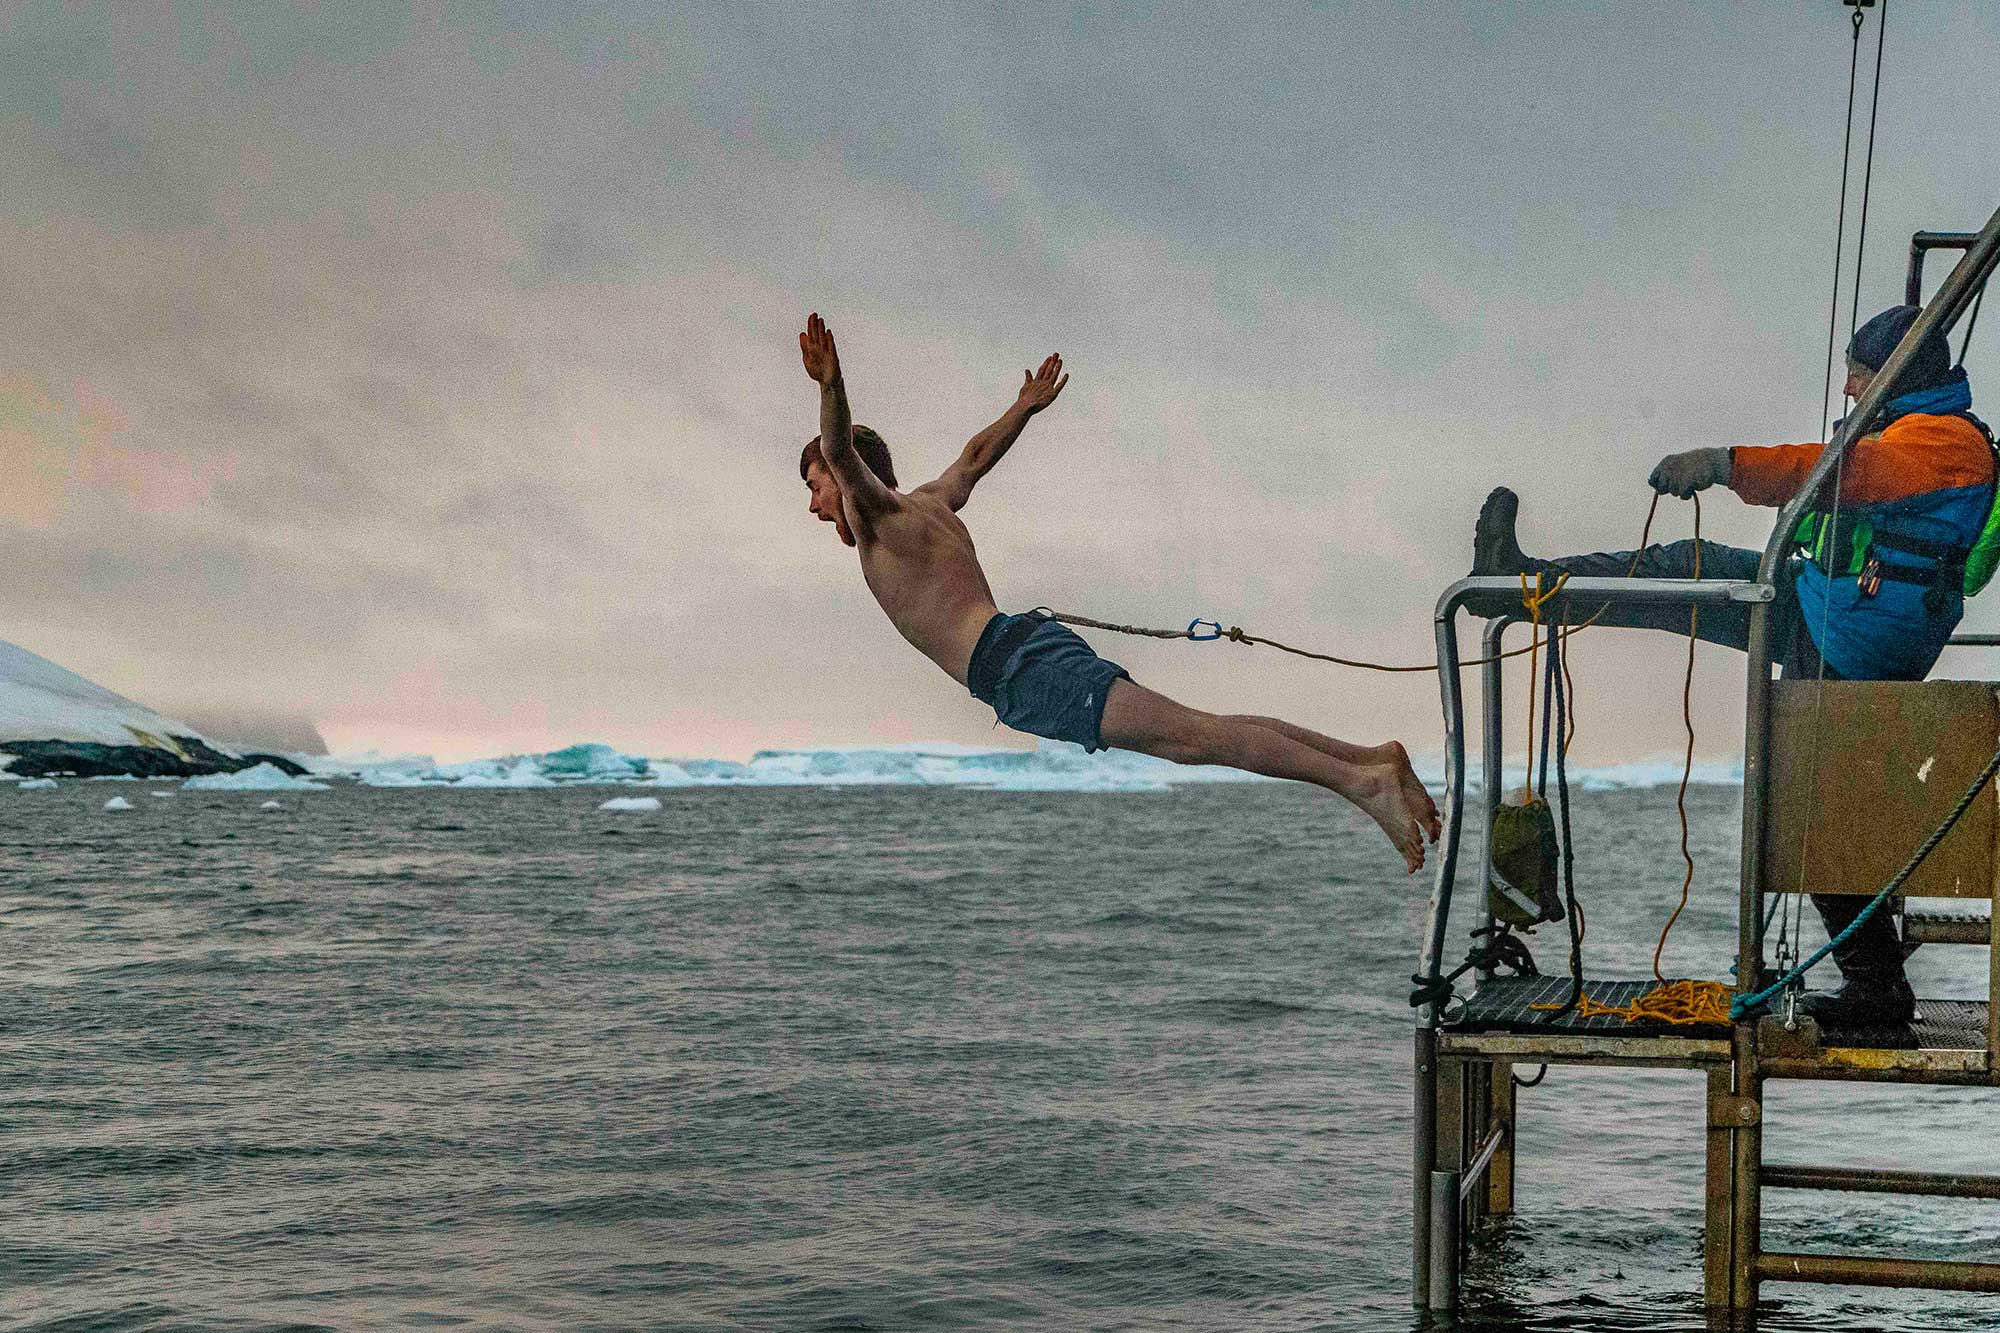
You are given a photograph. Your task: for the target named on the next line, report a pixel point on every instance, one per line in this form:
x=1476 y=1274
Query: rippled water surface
x=836 y=1059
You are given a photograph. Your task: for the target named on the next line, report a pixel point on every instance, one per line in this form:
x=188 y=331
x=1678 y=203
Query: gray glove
x=1681 y=475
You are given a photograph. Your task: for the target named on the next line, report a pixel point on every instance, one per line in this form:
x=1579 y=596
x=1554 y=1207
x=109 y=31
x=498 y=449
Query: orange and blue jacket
x=1923 y=481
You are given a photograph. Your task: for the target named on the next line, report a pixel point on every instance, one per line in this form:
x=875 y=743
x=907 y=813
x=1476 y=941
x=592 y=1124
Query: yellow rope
x=1531 y=600
x=1680 y=1003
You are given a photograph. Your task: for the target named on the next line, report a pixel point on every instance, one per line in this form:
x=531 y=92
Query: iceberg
x=118 y=803
x=516 y=771
x=36 y=784
x=592 y=763
x=263 y=777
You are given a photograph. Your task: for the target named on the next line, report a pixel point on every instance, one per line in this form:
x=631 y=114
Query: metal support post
x=1492 y=743
x=1444 y=1245
x=1500 y=1172
x=1719 y=1192
x=1993 y=986
x=1425 y=1162
x=1756 y=804
x=1451 y=1155
x=1853 y=1270
x=1746 y=1151
x=1870 y=1180
x=1478 y=1129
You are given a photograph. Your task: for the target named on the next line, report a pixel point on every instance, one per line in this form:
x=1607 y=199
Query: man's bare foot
x=1380 y=793
x=1392 y=755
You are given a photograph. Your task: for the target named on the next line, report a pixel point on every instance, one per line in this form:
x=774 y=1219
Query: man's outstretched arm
x=836 y=422
x=1038 y=389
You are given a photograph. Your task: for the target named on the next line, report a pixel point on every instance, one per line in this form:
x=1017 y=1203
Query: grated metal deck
x=1506 y=1004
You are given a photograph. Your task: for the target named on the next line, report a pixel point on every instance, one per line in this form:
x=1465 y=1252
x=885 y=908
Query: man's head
x=825 y=487
x=1874 y=341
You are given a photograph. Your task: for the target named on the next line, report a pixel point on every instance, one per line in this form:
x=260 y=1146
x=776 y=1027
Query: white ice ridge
x=636 y=805
x=1053 y=766
x=1661 y=771
x=40 y=701
x=263 y=777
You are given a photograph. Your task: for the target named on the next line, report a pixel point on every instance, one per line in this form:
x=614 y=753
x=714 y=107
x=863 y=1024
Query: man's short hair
x=873 y=449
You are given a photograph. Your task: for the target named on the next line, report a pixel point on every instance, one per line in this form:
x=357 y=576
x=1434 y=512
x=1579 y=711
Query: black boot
x=1496 y=553
x=1494 y=548
x=1874 y=992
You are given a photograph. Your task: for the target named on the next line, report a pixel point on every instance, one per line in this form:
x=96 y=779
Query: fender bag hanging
x=1524 y=885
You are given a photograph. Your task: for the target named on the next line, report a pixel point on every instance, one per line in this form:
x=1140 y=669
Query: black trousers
x=1875 y=949
x=1727 y=624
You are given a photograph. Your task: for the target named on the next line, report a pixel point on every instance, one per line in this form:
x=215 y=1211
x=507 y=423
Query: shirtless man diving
x=1035 y=673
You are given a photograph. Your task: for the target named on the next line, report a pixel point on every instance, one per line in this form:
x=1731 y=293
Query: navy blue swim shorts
x=1042 y=678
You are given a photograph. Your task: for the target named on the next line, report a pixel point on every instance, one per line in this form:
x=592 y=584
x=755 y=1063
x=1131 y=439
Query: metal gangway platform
x=1466 y=1048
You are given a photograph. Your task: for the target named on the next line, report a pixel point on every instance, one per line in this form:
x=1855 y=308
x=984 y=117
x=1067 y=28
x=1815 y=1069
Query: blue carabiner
x=1202 y=638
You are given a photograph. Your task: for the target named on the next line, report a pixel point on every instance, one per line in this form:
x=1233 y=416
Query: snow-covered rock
x=53 y=721
x=263 y=777
x=42 y=701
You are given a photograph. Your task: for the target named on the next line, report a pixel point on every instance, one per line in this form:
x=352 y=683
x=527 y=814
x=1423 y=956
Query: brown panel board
x=1892 y=758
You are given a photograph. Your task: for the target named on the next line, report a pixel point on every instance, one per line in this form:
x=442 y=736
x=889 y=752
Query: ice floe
x=118 y=803
x=263 y=777
x=636 y=805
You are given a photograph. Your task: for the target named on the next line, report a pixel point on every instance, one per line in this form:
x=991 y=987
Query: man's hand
x=1681 y=475
x=816 y=346
x=1040 y=387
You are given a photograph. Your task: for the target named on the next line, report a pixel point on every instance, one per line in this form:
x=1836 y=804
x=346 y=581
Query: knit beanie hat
x=1874 y=341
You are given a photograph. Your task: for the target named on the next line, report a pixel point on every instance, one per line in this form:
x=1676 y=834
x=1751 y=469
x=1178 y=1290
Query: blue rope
x=1743 y=1004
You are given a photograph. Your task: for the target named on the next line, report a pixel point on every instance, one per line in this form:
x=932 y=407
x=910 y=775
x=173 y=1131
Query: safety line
x=1236 y=633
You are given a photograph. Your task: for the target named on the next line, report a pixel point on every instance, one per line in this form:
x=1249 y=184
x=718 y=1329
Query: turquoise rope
x=1743 y=1004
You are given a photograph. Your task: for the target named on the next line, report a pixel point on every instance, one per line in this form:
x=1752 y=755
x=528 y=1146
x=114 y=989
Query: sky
x=431 y=371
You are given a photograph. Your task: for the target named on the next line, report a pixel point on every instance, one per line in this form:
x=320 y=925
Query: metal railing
x=1437 y=1194
x=1982 y=251
x=1590 y=591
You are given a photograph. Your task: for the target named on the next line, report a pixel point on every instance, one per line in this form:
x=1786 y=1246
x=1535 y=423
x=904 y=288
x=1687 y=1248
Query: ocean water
x=857 y=1058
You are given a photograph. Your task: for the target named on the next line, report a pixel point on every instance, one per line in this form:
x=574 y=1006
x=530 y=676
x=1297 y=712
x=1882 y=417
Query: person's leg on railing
x=1497 y=553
